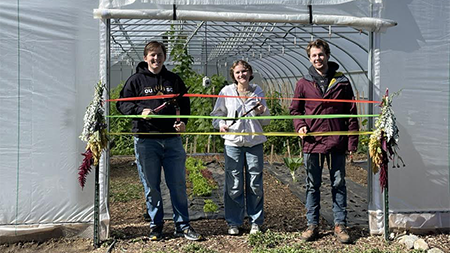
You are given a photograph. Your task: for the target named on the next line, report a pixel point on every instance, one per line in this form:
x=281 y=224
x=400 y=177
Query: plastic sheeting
x=356 y=8
x=414 y=58
x=121 y=3
x=49 y=66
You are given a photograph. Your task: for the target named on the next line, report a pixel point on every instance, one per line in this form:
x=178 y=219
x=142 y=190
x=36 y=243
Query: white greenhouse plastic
x=54 y=52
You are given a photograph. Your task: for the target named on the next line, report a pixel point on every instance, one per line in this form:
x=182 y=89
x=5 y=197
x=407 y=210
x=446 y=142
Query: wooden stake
x=271 y=154
x=195 y=144
x=209 y=142
x=288 y=148
x=300 y=147
x=186 y=145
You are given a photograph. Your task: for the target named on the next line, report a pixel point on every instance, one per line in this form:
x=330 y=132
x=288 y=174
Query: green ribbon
x=328 y=116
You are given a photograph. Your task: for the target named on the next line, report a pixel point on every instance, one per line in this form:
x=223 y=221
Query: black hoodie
x=145 y=83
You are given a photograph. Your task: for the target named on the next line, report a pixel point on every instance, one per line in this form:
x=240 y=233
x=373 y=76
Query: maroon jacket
x=339 y=88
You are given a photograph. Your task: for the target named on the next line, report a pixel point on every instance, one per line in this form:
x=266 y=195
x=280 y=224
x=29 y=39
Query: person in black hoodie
x=154 y=145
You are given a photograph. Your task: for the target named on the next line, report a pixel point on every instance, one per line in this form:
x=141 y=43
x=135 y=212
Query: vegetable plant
x=293 y=164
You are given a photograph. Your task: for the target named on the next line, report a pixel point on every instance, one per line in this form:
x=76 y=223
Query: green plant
x=280 y=125
x=200 y=185
x=199 y=106
x=268 y=239
x=197 y=248
x=125 y=192
x=293 y=164
x=119 y=144
x=298 y=248
x=210 y=206
x=363 y=140
x=204 y=106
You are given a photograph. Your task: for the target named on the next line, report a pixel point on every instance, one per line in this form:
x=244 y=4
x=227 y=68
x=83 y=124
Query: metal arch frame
x=247 y=35
x=278 y=73
x=343 y=66
x=281 y=78
x=312 y=33
x=283 y=53
x=352 y=41
x=252 y=32
x=301 y=72
x=120 y=26
x=269 y=70
x=194 y=33
x=286 y=75
x=245 y=53
x=273 y=58
x=337 y=59
x=293 y=74
x=269 y=81
x=343 y=50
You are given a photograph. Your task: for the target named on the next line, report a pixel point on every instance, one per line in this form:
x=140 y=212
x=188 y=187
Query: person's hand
x=180 y=127
x=146 y=112
x=302 y=130
x=260 y=109
x=224 y=128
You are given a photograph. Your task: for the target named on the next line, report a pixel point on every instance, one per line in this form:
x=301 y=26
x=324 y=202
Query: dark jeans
x=314 y=166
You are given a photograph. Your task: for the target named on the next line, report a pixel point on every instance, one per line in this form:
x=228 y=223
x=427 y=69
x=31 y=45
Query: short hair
x=153 y=45
x=243 y=63
x=319 y=44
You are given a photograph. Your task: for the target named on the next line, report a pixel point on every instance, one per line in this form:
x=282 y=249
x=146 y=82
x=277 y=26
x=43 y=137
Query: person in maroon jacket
x=324 y=82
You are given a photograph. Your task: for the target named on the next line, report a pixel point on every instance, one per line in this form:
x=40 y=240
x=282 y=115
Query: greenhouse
x=55 y=53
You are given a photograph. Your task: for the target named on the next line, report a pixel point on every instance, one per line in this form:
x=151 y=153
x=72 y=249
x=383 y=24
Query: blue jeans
x=235 y=160
x=314 y=165
x=169 y=153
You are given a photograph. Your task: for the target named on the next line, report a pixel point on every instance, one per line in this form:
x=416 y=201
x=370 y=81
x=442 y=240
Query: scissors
x=245 y=114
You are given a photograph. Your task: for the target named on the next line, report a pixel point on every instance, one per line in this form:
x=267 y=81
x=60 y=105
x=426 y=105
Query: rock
x=409 y=241
x=435 y=250
x=402 y=239
x=420 y=244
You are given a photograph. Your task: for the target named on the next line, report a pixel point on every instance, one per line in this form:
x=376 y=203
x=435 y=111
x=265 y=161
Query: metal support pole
x=386 y=208
x=96 y=208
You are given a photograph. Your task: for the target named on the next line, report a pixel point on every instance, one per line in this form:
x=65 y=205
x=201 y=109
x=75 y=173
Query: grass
x=125 y=192
x=196 y=248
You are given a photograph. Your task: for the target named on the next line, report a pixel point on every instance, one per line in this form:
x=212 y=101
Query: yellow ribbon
x=256 y=133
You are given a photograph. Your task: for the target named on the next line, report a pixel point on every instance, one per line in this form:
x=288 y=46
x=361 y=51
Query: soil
x=284 y=215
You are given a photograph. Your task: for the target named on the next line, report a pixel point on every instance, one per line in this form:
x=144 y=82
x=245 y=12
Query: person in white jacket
x=243 y=153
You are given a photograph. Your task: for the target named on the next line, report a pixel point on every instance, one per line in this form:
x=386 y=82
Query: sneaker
x=310 y=233
x=254 y=229
x=156 y=233
x=189 y=233
x=341 y=233
x=233 y=230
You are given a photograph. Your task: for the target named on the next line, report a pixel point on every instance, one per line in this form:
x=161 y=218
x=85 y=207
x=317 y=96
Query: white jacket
x=229 y=106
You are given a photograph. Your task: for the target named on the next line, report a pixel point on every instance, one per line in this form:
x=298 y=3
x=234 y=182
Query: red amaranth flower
x=85 y=167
